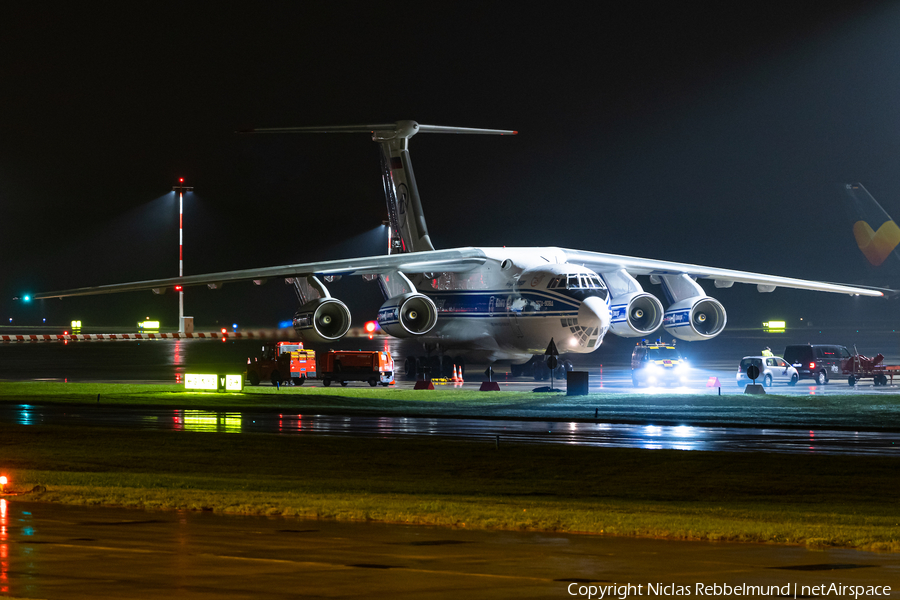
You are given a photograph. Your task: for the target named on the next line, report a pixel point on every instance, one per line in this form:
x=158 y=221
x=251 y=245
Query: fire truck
x=281 y=362
x=343 y=366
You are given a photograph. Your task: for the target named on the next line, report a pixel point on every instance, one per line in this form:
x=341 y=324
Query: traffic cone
x=461 y=380
x=455 y=376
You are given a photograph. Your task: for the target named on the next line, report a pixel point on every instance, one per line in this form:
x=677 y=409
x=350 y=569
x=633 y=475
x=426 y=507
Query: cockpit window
x=579 y=285
x=583 y=281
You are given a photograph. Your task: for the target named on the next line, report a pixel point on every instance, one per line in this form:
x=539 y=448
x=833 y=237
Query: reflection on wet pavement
x=674 y=437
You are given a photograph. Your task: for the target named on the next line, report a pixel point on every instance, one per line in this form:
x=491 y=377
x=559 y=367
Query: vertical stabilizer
x=877 y=235
x=400 y=191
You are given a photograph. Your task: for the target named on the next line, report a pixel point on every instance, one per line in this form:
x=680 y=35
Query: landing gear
x=411 y=366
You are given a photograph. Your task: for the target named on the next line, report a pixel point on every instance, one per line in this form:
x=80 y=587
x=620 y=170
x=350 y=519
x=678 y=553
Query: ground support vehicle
x=344 y=366
x=863 y=367
x=820 y=362
x=772 y=369
x=657 y=364
x=282 y=362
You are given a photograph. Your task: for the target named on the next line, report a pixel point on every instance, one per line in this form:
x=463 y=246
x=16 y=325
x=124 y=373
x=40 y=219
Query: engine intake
x=408 y=315
x=635 y=315
x=322 y=320
x=695 y=318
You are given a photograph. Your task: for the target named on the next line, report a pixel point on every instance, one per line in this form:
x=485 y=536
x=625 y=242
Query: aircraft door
x=514 y=306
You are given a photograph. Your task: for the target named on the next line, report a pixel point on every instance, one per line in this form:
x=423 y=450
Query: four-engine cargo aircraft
x=489 y=304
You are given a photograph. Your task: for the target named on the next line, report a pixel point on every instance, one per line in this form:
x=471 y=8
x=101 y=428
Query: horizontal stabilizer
x=404 y=128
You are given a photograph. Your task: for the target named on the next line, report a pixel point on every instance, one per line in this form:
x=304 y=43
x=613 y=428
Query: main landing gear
x=537 y=368
x=438 y=366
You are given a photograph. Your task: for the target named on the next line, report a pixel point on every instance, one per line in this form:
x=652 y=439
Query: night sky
x=702 y=133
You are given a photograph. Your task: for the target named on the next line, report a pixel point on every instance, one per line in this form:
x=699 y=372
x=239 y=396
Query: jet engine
x=635 y=315
x=695 y=318
x=322 y=320
x=407 y=315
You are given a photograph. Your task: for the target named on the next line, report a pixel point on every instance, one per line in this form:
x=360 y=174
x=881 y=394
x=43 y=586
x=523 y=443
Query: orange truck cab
x=282 y=362
x=343 y=366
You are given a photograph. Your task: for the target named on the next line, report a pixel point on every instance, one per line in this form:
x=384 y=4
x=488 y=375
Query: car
x=820 y=362
x=772 y=369
x=657 y=364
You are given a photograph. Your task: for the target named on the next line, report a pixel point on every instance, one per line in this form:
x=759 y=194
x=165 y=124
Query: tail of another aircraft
x=877 y=235
x=409 y=232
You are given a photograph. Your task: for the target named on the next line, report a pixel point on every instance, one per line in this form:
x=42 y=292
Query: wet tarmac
x=58 y=551
x=497 y=431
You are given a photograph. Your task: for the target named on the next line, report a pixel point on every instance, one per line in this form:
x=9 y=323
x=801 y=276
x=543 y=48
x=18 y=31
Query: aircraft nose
x=594 y=312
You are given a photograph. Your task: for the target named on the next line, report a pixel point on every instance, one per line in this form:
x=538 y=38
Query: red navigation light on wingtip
x=370 y=326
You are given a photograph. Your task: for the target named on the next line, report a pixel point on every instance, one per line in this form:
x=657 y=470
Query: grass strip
x=798 y=499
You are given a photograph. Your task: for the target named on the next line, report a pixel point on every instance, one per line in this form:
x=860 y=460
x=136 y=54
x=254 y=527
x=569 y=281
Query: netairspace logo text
x=790 y=590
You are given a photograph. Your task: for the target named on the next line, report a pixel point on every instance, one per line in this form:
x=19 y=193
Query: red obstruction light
x=370 y=326
x=181 y=180
x=178 y=288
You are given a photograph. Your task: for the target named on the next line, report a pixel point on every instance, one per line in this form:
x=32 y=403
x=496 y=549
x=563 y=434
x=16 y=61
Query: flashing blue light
x=27 y=298
x=285 y=324
x=234 y=326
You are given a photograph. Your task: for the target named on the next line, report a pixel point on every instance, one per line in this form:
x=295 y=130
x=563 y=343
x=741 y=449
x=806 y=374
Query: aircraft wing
x=600 y=262
x=464 y=259
x=440 y=261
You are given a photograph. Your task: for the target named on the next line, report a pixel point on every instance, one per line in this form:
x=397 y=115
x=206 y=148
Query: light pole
x=181 y=189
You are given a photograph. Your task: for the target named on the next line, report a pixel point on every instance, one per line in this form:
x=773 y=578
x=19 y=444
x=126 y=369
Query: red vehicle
x=282 y=362
x=859 y=367
x=348 y=365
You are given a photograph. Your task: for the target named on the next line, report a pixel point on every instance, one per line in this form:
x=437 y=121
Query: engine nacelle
x=635 y=315
x=407 y=315
x=695 y=318
x=322 y=320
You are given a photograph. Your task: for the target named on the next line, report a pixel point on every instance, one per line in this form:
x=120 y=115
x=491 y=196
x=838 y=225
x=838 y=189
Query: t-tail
x=877 y=235
x=408 y=230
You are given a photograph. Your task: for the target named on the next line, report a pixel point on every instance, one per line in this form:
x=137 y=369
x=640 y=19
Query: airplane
x=485 y=304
